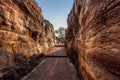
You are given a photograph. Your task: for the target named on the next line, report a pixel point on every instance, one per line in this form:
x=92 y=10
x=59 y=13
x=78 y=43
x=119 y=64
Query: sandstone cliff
x=92 y=39
x=23 y=32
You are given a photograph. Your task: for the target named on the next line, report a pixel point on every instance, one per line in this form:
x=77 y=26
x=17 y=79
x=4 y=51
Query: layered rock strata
x=23 y=33
x=93 y=39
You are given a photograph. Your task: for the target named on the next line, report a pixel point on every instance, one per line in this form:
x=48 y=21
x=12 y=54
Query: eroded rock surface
x=93 y=39
x=23 y=32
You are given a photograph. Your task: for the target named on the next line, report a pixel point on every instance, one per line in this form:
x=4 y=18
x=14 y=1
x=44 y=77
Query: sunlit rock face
x=93 y=39
x=23 y=30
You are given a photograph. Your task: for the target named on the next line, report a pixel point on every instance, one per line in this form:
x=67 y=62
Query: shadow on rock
x=20 y=67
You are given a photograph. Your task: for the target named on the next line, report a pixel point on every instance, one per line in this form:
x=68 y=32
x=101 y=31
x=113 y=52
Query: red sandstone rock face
x=93 y=39
x=23 y=30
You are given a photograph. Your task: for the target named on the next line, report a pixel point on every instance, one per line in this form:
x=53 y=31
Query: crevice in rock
x=34 y=35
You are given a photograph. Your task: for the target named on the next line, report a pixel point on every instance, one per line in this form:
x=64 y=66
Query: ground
x=55 y=66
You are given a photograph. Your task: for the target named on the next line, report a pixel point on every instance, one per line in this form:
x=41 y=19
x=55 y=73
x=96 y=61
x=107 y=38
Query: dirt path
x=55 y=66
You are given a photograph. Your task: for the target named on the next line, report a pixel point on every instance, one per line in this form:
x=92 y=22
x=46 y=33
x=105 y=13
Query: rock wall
x=92 y=39
x=23 y=32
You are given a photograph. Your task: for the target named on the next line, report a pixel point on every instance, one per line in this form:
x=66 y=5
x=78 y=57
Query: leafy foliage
x=60 y=33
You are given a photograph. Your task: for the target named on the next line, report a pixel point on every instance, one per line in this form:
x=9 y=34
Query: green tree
x=60 y=33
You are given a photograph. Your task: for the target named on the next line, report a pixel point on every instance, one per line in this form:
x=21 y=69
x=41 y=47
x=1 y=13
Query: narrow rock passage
x=55 y=66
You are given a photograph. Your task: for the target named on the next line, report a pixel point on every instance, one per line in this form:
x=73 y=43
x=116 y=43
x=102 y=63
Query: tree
x=60 y=33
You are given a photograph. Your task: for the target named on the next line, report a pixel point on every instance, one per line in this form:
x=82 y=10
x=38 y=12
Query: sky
x=56 y=11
